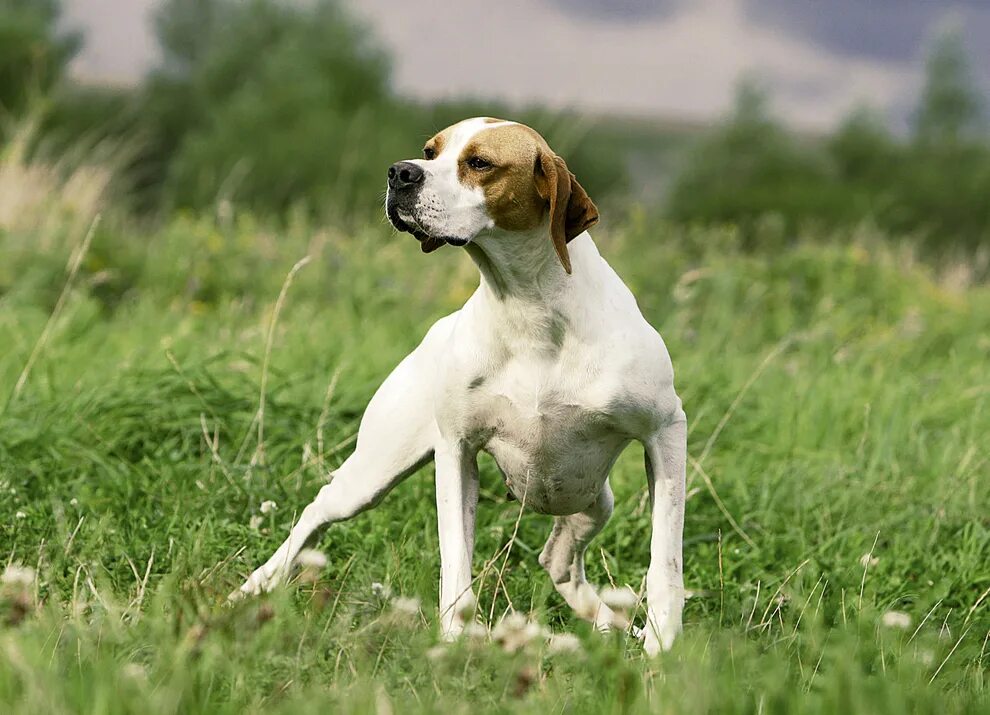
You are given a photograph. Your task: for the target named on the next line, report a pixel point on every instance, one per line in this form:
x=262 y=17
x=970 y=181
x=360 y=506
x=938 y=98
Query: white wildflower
x=312 y=559
x=587 y=604
x=867 y=560
x=383 y=705
x=564 y=643
x=406 y=606
x=509 y=624
x=475 y=631
x=466 y=606
x=267 y=506
x=73 y=502
x=436 y=653
x=20 y=515
x=515 y=631
x=134 y=671
x=896 y=619
x=17 y=575
x=255 y=522
x=381 y=591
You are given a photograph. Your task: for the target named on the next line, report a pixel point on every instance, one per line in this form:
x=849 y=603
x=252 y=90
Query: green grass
x=839 y=403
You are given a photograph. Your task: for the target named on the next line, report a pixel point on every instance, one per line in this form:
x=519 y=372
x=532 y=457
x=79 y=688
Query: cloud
x=677 y=58
x=886 y=30
x=682 y=64
x=620 y=10
x=119 y=42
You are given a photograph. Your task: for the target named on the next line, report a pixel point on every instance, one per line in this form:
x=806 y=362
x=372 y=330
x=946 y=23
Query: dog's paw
x=247 y=589
x=257 y=583
x=654 y=643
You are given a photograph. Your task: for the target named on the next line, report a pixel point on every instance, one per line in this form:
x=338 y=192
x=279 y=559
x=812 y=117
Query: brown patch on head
x=435 y=145
x=510 y=192
x=523 y=180
x=438 y=142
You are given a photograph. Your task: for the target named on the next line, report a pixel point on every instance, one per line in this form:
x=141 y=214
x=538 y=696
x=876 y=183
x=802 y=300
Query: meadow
x=160 y=382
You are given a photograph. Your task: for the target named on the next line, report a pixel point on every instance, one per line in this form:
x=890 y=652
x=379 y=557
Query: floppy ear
x=571 y=209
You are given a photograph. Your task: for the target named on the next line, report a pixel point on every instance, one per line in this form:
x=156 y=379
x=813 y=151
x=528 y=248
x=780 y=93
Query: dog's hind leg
x=563 y=558
x=397 y=435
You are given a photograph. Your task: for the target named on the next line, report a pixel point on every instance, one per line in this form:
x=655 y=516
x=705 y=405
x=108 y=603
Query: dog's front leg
x=396 y=436
x=457 y=503
x=666 y=454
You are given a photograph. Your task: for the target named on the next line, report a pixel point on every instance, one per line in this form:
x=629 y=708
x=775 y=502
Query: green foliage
x=751 y=166
x=272 y=106
x=267 y=103
x=77 y=117
x=863 y=149
x=33 y=53
x=934 y=185
x=951 y=107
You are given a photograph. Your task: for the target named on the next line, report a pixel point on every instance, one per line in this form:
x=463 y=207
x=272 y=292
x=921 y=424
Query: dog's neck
x=522 y=266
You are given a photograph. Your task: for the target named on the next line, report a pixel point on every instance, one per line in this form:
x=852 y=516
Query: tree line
x=277 y=106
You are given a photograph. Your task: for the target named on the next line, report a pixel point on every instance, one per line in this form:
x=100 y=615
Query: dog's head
x=485 y=174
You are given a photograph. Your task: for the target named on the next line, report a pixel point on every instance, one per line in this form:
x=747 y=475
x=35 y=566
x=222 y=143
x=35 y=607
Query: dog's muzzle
x=405 y=180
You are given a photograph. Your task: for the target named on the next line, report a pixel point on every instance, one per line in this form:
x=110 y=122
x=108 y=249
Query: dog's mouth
x=404 y=221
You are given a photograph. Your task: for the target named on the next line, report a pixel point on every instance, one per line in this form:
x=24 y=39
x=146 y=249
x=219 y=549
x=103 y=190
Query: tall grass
x=837 y=541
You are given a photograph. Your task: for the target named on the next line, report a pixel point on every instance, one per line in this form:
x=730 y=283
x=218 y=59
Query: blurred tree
x=862 y=147
x=267 y=103
x=34 y=52
x=185 y=29
x=865 y=157
x=951 y=106
x=942 y=193
x=750 y=166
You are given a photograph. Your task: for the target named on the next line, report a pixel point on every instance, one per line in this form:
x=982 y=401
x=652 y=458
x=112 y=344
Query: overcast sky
x=674 y=58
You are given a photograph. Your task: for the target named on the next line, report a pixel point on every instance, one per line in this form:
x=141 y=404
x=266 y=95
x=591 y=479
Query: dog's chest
x=553 y=429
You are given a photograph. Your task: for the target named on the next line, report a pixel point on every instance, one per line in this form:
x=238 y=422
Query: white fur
x=553 y=375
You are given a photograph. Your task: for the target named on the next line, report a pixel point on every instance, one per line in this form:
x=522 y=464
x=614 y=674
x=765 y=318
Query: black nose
x=403 y=174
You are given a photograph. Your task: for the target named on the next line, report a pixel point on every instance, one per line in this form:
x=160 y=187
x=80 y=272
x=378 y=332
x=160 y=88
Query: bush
x=750 y=166
x=268 y=103
x=934 y=185
x=33 y=52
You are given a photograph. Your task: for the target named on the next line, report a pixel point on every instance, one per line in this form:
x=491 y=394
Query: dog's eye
x=429 y=153
x=476 y=162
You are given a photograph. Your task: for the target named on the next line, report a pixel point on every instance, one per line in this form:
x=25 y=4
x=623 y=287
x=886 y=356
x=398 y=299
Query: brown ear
x=571 y=209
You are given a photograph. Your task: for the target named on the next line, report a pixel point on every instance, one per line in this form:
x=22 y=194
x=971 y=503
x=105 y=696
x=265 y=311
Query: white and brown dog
x=549 y=367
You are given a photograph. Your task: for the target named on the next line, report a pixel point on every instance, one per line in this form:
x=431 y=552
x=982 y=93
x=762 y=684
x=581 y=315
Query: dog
x=549 y=367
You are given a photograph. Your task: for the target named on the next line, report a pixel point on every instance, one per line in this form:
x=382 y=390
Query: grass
x=839 y=408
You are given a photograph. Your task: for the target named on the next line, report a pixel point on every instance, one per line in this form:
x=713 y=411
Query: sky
x=677 y=59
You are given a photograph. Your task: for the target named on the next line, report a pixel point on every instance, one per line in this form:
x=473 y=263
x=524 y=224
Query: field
x=159 y=384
